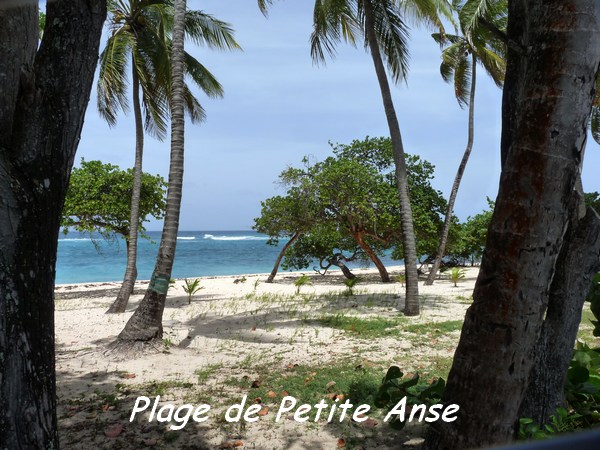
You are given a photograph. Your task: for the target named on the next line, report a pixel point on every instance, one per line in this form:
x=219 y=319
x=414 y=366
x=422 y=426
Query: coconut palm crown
x=140 y=35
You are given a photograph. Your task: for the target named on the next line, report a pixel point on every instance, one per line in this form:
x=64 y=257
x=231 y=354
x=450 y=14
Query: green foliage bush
x=394 y=387
x=99 y=199
x=582 y=393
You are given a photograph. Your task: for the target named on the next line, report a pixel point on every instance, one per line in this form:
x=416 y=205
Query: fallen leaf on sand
x=341 y=443
x=370 y=423
x=256 y=384
x=113 y=431
x=128 y=375
x=264 y=411
x=231 y=444
x=271 y=394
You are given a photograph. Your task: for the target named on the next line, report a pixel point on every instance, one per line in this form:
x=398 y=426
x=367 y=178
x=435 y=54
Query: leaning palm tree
x=382 y=26
x=146 y=323
x=140 y=38
x=481 y=22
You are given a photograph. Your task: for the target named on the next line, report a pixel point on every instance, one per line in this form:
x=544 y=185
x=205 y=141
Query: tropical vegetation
x=382 y=27
x=98 y=200
x=351 y=208
x=140 y=42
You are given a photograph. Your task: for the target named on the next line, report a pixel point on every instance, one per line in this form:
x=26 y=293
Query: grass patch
x=155 y=388
x=439 y=367
x=434 y=329
x=205 y=373
x=365 y=328
x=586 y=328
x=311 y=384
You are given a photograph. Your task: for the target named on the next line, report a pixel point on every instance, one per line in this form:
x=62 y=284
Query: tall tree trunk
x=457 y=179
x=554 y=348
x=146 y=323
x=383 y=273
x=287 y=245
x=549 y=96
x=120 y=303
x=43 y=97
x=411 y=305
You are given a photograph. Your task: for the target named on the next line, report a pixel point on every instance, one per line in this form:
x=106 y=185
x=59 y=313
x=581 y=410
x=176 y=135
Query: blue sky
x=279 y=106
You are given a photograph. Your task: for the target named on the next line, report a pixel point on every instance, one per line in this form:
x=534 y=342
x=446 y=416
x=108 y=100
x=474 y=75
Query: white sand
x=232 y=327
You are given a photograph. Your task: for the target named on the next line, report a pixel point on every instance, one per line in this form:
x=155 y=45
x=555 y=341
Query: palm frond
x=192 y=106
x=392 y=37
x=470 y=14
x=494 y=64
x=456 y=66
x=205 y=29
x=451 y=56
x=263 y=5
x=462 y=80
x=202 y=77
x=333 y=21
x=428 y=12
x=112 y=79
x=595 y=123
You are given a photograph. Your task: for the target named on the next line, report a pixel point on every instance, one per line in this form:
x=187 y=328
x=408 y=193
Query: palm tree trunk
x=411 y=305
x=122 y=299
x=546 y=108
x=459 y=174
x=287 y=245
x=146 y=322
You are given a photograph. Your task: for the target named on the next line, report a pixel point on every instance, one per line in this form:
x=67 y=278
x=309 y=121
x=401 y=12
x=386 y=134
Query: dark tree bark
x=287 y=245
x=578 y=261
x=411 y=304
x=546 y=106
x=43 y=97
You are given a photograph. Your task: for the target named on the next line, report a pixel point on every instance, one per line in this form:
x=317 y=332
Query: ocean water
x=199 y=253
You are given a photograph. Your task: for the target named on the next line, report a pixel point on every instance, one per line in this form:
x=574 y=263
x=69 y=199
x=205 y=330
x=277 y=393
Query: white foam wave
x=234 y=238
x=186 y=238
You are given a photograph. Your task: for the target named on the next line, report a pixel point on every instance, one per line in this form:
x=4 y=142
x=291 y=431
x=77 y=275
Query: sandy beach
x=240 y=336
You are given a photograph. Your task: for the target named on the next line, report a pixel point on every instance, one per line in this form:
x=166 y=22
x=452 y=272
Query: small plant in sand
x=302 y=280
x=401 y=279
x=191 y=287
x=350 y=283
x=457 y=274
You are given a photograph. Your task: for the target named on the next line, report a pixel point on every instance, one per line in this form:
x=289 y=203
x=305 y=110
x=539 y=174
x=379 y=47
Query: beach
x=236 y=333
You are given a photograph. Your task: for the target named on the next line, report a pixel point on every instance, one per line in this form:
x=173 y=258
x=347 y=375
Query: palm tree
x=478 y=44
x=140 y=33
x=382 y=26
x=146 y=323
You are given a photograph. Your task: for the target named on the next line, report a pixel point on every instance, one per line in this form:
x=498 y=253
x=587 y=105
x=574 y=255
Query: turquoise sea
x=199 y=253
